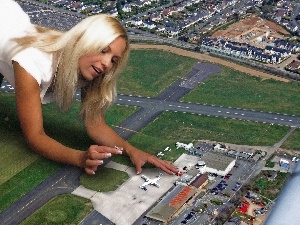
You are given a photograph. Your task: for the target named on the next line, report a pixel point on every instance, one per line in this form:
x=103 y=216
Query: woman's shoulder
x=12 y=17
x=36 y=62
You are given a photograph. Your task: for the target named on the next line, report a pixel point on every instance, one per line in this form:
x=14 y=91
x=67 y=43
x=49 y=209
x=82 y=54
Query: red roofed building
x=200 y=181
x=171 y=204
x=182 y=197
x=174 y=201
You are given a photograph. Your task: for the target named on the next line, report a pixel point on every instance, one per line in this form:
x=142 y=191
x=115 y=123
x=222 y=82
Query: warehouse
x=217 y=163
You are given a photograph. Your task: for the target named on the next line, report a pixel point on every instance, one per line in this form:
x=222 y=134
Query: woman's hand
x=93 y=157
x=102 y=134
x=139 y=158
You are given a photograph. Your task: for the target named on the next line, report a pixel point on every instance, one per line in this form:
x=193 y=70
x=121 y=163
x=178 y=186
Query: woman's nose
x=107 y=63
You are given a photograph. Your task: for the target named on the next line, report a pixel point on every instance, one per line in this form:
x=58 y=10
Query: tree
x=119 y=5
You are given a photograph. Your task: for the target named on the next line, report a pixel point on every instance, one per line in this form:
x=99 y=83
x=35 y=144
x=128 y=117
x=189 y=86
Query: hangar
x=217 y=163
x=176 y=199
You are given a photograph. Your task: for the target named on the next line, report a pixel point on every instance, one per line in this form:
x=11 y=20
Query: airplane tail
x=160 y=174
x=143 y=187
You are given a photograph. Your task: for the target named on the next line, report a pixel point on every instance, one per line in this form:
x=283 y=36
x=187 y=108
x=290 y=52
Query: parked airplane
x=150 y=181
x=185 y=146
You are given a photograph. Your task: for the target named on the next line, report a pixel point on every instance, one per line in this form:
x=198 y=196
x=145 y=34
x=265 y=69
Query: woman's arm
x=31 y=119
x=102 y=134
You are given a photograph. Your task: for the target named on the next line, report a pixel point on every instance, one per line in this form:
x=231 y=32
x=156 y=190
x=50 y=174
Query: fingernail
x=119 y=152
x=108 y=154
x=100 y=162
x=93 y=172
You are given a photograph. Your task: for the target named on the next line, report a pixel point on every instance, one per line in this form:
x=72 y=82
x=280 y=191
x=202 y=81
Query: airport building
x=217 y=163
x=174 y=201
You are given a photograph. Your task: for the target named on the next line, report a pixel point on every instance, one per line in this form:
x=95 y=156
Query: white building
x=217 y=163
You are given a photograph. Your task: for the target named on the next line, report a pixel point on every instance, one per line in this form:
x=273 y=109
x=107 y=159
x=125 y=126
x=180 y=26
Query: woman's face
x=92 y=66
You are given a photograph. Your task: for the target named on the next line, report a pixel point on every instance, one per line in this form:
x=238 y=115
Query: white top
x=14 y=22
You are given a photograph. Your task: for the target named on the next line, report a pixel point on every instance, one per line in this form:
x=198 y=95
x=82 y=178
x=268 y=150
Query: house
x=149 y=25
x=285 y=164
x=293 y=66
x=127 y=8
x=136 y=21
x=272 y=176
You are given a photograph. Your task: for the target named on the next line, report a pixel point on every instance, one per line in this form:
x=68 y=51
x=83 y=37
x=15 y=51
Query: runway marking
x=123 y=128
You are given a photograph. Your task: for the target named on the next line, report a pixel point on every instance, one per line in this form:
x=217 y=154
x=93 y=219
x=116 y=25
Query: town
x=216 y=27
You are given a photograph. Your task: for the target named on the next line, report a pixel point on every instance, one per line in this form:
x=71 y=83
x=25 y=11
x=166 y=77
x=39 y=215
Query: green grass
x=293 y=141
x=118 y=113
x=15 y=155
x=186 y=127
x=270 y=189
x=151 y=71
x=63 y=209
x=239 y=90
x=171 y=127
x=216 y=202
x=105 y=179
x=22 y=182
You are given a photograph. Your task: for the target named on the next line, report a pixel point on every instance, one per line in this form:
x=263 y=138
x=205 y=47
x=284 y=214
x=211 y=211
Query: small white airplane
x=167 y=149
x=150 y=181
x=160 y=154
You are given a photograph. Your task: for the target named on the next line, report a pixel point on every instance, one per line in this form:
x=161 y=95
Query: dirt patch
x=288 y=151
x=249 y=25
x=205 y=57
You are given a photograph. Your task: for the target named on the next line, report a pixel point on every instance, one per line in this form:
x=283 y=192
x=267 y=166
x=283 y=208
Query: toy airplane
x=149 y=181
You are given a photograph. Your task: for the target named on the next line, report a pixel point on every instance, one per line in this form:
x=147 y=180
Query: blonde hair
x=90 y=36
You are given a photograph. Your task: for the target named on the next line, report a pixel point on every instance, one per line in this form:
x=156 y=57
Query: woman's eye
x=114 y=60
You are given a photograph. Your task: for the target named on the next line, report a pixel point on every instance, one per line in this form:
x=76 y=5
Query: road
x=65 y=180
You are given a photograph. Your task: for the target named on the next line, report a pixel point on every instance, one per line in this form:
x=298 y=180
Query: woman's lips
x=97 y=70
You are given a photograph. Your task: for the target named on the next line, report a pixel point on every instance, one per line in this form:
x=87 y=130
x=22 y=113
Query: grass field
x=63 y=209
x=151 y=71
x=238 y=90
x=267 y=188
x=293 y=141
x=102 y=181
x=171 y=127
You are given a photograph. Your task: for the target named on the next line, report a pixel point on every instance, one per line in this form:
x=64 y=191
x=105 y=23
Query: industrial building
x=217 y=163
x=176 y=199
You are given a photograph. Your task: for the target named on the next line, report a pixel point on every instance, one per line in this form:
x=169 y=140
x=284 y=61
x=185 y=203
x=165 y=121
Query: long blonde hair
x=90 y=36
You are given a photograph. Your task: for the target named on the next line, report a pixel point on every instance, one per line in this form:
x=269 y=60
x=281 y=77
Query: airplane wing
x=155 y=184
x=150 y=181
x=145 y=178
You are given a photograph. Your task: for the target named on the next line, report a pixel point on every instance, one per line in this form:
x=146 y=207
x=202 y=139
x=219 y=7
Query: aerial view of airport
x=212 y=86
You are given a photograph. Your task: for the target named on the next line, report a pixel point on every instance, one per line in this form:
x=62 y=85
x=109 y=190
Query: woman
x=44 y=65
